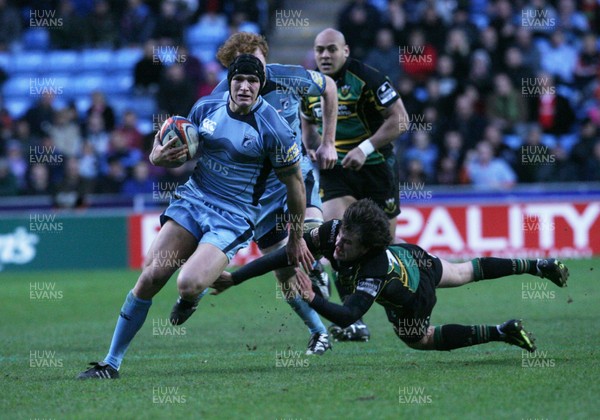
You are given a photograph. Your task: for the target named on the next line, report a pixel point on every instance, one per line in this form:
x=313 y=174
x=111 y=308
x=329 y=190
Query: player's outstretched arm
x=355 y=305
x=326 y=154
x=165 y=154
x=297 y=250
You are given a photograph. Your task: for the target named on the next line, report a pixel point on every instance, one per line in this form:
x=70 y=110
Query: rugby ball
x=184 y=130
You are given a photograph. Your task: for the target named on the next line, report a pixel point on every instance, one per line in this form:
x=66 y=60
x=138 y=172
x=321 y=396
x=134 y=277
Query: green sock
x=452 y=336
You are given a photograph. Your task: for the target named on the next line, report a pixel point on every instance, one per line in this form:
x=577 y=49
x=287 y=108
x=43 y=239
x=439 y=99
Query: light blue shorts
x=208 y=223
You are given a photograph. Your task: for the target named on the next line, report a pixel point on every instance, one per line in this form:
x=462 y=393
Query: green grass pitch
x=242 y=355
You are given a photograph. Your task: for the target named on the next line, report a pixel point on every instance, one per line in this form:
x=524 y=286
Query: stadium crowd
x=498 y=92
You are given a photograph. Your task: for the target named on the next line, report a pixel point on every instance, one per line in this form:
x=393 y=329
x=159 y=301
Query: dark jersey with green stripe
x=389 y=277
x=363 y=93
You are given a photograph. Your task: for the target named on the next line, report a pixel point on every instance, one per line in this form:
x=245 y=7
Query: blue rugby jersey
x=285 y=87
x=238 y=152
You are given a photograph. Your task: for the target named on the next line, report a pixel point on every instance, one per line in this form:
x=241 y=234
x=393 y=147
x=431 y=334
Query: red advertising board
x=566 y=230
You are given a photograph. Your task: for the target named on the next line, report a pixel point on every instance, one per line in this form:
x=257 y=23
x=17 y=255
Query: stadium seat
x=27 y=62
x=62 y=61
x=86 y=83
x=145 y=125
x=205 y=54
x=83 y=103
x=37 y=38
x=17 y=86
x=125 y=58
x=118 y=83
x=144 y=106
x=19 y=105
x=210 y=32
x=92 y=60
x=5 y=61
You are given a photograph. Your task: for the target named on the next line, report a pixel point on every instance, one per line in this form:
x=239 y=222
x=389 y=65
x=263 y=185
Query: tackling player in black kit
x=400 y=277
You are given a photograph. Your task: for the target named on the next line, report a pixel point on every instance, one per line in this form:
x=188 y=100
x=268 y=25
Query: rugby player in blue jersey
x=213 y=215
x=285 y=87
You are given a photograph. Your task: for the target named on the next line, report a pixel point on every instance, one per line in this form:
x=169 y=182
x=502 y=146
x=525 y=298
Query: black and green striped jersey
x=390 y=277
x=363 y=93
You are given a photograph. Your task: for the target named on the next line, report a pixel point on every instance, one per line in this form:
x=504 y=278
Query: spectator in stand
x=505 y=106
x=17 y=162
x=415 y=174
x=359 y=22
x=97 y=135
x=170 y=24
x=37 y=181
x=515 y=68
x=141 y=182
x=530 y=53
x=559 y=58
x=461 y=21
x=591 y=10
x=481 y=72
x=211 y=80
x=552 y=111
x=70 y=33
x=8 y=182
x=148 y=71
x=406 y=88
x=101 y=26
x=120 y=150
x=447 y=172
x=469 y=124
x=41 y=115
x=587 y=68
x=573 y=22
x=114 y=178
x=435 y=104
x=593 y=164
x=532 y=157
x=89 y=167
x=194 y=70
x=581 y=152
x=384 y=57
x=419 y=58
x=66 y=134
x=10 y=25
x=487 y=172
x=488 y=42
x=395 y=18
x=433 y=26
x=444 y=73
x=100 y=107
x=129 y=130
x=503 y=21
x=454 y=146
x=175 y=93
x=458 y=48
x=590 y=108
x=540 y=17
x=137 y=24
x=70 y=192
x=493 y=135
x=424 y=151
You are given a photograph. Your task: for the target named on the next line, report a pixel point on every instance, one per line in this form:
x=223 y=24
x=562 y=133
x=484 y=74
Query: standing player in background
x=370 y=116
x=212 y=215
x=402 y=278
x=286 y=85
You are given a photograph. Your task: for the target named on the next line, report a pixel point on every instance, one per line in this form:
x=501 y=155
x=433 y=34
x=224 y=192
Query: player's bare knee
x=189 y=286
x=425 y=343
